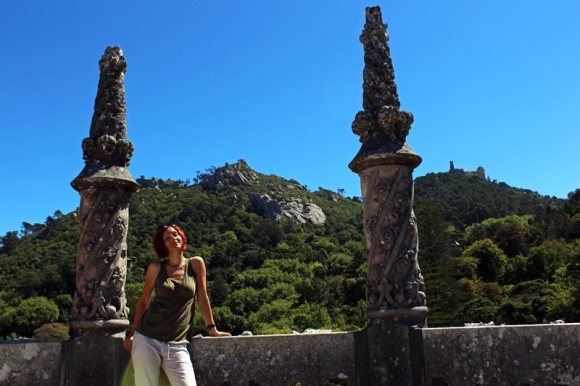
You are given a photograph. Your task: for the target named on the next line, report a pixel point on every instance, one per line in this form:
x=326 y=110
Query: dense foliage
x=488 y=252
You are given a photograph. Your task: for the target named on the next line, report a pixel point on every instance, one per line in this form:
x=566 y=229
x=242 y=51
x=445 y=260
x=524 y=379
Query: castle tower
x=395 y=289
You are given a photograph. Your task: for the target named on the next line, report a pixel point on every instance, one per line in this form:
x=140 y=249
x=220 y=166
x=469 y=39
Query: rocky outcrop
x=288 y=208
x=238 y=174
x=274 y=200
x=146 y=183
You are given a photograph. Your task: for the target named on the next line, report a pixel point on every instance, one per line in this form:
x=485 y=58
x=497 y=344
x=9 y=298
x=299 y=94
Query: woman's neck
x=175 y=259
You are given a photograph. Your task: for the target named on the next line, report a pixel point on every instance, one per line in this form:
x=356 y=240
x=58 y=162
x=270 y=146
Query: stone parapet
x=503 y=355
x=311 y=359
x=499 y=355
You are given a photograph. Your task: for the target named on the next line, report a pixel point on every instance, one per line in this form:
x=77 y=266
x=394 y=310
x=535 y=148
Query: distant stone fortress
x=480 y=172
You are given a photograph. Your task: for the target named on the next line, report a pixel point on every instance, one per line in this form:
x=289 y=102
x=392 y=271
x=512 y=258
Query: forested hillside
x=283 y=258
x=468 y=199
x=490 y=252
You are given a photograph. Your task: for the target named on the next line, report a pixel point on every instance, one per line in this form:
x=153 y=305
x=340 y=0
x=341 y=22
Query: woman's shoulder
x=153 y=270
x=154 y=266
x=196 y=261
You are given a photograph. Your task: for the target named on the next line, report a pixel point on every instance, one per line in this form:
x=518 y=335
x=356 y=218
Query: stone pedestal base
x=388 y=354
x=95 y=354
x=407 y=316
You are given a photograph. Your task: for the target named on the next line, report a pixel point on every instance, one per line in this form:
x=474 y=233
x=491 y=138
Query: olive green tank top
x=168 y=317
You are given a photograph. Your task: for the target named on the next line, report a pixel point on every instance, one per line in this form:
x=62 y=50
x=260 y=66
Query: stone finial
x=382 y=127
x=105 y=186
x=107 y=151
x=385 y=163
x=379 y=77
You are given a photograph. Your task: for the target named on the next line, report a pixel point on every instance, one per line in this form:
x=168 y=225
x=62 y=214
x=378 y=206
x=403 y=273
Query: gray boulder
x=288 y=208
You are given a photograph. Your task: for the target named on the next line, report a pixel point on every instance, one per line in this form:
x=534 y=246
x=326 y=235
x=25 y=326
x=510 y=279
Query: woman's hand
x=214 y=332
x=128 y=343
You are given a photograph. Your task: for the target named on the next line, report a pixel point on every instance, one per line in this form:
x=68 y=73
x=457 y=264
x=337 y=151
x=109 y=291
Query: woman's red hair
x=159 y=244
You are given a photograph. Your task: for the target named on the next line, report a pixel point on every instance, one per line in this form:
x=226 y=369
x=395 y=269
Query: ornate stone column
x=385 y=163
x=99 y=312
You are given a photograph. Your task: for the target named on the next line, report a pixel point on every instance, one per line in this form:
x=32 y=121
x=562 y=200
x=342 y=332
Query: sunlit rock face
x=290 y=208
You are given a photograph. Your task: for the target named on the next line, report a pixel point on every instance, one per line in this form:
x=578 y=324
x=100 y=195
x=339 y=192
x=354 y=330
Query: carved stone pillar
x=395 y=289
x=99 y=312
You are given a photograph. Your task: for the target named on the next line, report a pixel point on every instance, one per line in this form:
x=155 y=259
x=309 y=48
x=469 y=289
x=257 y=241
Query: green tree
x=8 y=242
x=51 y=332
x=310 y=316
x=510 y=238
x=479 y=310
x=32 y=313
x=491 y=260
x=64 y=304
x=514 y=312
x=219 y=290
x=516 y=270
x=435 y=240
x=547 y=259
x=275 y=317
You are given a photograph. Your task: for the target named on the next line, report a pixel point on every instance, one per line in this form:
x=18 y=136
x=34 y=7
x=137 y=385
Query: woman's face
x=172 y=240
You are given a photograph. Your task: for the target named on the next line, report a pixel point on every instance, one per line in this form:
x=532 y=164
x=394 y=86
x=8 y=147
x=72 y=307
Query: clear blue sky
x=493 y=83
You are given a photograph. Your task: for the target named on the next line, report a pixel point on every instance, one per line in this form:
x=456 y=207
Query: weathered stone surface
x=382 y=127
x=395 y=290
x=312 y=359
x=503 y=355
x=105 y=186
x=107 y=151
x=385 y=166
x=95 y=356
x=391 y=239
x=389 y=354
x=291 y=208
x=30 y=364
x=500 y=355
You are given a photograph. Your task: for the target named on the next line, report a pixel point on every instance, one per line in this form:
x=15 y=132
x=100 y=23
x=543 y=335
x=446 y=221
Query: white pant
x=149 y=355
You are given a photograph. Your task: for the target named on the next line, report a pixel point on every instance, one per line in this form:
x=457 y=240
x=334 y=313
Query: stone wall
x=499 y=355
x=311 y=359
x=546 y=354
x=30 y=364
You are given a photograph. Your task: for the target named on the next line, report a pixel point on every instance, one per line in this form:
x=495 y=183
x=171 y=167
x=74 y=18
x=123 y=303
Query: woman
x=158 y=337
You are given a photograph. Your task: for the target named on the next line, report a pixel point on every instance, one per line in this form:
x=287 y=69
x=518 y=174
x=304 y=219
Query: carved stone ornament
x=102 y=255
x=394 y=279
x=382 y=127
x=395 y=288
x=105 y=186
x=107 y=151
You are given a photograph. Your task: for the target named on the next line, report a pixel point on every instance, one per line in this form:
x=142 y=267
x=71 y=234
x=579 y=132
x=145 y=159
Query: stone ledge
x=490 y=355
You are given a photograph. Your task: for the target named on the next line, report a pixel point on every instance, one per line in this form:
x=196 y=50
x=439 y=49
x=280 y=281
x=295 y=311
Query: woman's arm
x=143 y=302
x=202 y=297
